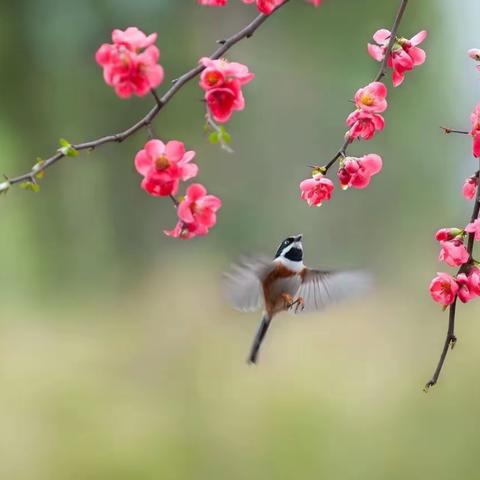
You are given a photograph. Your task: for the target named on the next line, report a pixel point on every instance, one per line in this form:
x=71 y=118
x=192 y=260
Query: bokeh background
x=118 y=355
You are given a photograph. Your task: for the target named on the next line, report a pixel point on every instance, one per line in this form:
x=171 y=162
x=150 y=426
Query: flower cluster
x=163 y=167
x=130 y=67
x=130 y=63
x=367 y=119
x=404 y=56
x=264 y=6
x=475 y=131
x=445 y=288
x=222 y=82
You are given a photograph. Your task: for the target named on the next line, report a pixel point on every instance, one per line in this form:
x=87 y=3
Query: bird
x=286 y=284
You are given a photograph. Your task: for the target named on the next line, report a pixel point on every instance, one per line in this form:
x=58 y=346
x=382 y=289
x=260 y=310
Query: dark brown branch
x=447 y=130
x=393 y=37
x=225 y=45
x=381 y=73
x=451 y=339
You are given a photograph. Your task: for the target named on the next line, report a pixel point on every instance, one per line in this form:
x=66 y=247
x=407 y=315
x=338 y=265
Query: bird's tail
x=262 y=330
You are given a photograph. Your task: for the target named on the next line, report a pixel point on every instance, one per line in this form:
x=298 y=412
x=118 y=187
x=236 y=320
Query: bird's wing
x=242 y=284
x=320 y=289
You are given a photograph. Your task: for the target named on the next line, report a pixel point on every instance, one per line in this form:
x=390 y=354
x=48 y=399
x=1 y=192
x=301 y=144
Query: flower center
x=162 y=163
x=213 y=78
x=367 y=100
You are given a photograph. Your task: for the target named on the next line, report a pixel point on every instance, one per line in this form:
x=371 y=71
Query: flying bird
x=286 y=284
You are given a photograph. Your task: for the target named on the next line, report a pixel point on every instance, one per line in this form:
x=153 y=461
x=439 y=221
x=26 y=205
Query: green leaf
x=37 y=168
x=67 y=149
x=33 y=187
x=214 y=138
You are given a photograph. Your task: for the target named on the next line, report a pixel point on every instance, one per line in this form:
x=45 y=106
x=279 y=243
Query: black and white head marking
x=290 y=253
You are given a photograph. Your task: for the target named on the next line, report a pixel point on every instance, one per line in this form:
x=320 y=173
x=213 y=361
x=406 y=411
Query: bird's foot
x=299 y=304
x=287 y=301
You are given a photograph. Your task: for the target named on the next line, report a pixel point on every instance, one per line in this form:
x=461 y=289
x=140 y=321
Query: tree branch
x=145 y=122
x=451 y=339
x=381 y=73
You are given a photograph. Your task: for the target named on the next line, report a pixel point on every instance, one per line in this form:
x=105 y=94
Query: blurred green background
x=118 y=355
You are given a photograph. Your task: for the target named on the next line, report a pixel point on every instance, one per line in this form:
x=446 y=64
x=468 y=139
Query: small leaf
x=227 y=138
x=37 y=168
x=67 y=149
x=33 y=187
x=214 y=138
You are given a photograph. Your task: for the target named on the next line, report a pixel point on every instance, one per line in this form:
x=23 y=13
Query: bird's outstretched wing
x=320 y=289
x=242 y=284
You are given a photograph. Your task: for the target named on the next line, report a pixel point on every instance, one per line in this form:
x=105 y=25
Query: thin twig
x=393 y=38
x=225 y=45
x=381 y=73
x=447 y=130
x=451 y=339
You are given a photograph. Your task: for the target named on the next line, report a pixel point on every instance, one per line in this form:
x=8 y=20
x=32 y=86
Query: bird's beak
x=299 y=237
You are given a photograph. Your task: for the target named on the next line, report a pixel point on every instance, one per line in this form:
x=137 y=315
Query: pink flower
x=474 y=54
x=474 y=228
x=453 y=253
x=474 y=280
x=446 y=234
x=130 y=64
x=364 y=124
x=133 y=39
x=357 y=172
x=316 y=190
x=213 y=3
x=465 y=291
x=372 y=98
x=443 y=289
x=163 y=166
x=475 y=132
x=218 y=72
x=196 y=213
x=265 y=6
x=222 y=82
x=470 y=188
x=404 y=56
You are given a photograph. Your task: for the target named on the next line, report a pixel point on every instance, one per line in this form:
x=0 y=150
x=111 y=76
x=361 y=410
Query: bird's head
x=291 y=250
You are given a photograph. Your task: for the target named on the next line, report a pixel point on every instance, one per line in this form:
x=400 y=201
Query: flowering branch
x=342 y=152
x=68 y=149
x=451 y=339
x=465 y=285
x=399 y=54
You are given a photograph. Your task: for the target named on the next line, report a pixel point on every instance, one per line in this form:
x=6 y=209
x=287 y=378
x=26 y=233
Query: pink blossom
x=357 y=172
x=213 y=3
x=316 y=190
x=474 y=280
x=364 y=124
x=196 y=213
x=446 y=234
x=470 y=188
x=130 y=64
x=163 y=166
x=265 y=6
x=372 y=98
x=404 y=56
x=453 y=253
x=475 y=132
x=443 y=289
x=474 y=54
x=474 y=228
x=217 y=72
x=222 y=82
x=133 y=39
x=465 y=291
